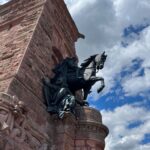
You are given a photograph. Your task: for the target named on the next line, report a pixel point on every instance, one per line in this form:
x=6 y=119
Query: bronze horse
x=81 y=77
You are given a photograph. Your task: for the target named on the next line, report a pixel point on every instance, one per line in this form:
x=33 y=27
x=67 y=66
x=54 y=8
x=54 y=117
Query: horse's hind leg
x=86 y=92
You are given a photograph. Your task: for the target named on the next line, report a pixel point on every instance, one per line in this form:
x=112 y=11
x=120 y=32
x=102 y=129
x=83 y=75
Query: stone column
x=90 y=132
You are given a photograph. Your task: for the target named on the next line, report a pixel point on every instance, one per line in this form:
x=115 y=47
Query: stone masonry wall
x=46 y=48
x=36 y=35
x=17 y=22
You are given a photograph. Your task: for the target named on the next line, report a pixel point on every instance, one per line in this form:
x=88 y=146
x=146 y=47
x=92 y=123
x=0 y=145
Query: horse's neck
x=89 y=71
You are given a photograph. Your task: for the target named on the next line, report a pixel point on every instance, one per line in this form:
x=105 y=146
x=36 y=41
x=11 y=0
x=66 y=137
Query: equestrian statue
x=59 y=92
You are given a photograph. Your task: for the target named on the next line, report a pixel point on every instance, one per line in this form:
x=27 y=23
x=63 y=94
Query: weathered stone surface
x=17 y=23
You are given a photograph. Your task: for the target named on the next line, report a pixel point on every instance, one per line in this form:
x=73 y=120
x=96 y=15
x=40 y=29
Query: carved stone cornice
x=17 y=128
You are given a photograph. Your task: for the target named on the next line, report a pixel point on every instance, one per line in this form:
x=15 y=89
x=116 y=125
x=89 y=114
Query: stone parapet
x=90 y=132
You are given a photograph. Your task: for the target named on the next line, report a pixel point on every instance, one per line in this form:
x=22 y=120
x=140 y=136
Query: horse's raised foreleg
x=94 y=78
x=102 y=85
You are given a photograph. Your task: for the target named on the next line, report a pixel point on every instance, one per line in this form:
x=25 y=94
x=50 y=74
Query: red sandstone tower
x=35 y=36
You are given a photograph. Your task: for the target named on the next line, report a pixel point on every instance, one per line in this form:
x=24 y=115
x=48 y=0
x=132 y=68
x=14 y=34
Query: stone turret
x=91 y=133
x=35 y=36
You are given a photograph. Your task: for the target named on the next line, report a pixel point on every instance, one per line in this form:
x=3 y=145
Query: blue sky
x=122 y=29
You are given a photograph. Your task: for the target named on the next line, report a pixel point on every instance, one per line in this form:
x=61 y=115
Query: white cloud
x=3 y=1
x=132 y=12
x=120 y=58
x=121 y=137
x=95 y=19
x=76 y=6
x=135 y=85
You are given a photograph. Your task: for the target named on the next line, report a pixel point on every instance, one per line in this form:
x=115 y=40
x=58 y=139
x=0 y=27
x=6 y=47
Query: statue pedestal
x=64 y=132
x=90 y=132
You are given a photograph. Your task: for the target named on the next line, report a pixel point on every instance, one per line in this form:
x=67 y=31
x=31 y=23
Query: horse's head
x=100 y=60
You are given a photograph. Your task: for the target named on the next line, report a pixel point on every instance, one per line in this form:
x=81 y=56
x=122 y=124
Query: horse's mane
x=88 y=61
x=63 y=64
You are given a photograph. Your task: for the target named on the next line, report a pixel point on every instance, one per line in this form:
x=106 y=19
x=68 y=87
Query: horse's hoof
x=100 y=89
x=85 y=104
